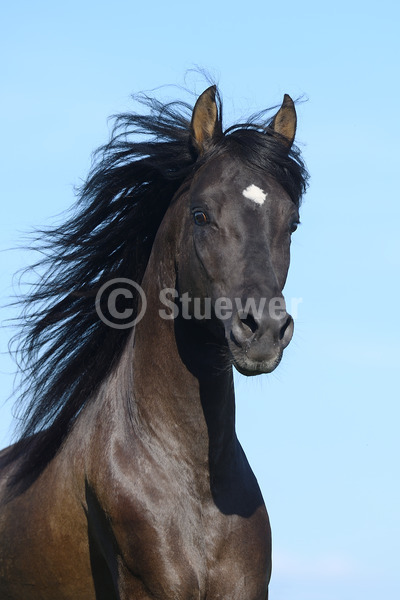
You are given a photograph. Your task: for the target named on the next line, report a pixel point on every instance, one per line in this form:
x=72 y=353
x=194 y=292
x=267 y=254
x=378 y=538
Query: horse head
x=235 y=247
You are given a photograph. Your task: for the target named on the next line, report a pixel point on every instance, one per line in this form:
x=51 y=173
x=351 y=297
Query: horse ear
x=285 y=121
x=205 y=126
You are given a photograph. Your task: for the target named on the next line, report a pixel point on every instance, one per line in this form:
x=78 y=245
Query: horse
x=127 y=481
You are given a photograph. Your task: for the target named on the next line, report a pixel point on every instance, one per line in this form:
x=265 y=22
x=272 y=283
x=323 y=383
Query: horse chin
x=249 y=367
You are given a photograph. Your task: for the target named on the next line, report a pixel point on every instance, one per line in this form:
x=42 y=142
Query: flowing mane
x=65 y=350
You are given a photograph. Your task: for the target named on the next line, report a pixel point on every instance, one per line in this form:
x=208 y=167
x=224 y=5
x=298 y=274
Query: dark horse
x=128 y=481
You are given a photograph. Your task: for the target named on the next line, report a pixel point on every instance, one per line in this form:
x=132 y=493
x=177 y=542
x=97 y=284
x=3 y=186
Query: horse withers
x=128 y=481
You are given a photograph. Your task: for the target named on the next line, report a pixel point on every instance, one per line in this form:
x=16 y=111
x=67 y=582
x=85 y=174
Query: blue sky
x=322 y=431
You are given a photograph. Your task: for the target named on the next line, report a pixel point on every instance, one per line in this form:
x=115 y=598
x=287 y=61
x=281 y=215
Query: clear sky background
x=322 y=432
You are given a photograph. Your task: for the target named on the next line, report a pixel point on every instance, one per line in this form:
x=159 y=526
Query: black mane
x=65 y=350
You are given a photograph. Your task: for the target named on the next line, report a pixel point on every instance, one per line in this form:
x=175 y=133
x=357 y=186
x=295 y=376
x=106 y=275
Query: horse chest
x=174 y=534
x=180 y=550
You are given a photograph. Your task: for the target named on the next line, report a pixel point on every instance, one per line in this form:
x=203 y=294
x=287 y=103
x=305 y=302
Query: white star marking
x=253 y=192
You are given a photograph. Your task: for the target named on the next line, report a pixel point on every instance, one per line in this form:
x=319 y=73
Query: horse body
x=150 y=496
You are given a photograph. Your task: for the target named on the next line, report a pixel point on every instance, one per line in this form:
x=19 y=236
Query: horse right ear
x=205 y=126
x=285 y=121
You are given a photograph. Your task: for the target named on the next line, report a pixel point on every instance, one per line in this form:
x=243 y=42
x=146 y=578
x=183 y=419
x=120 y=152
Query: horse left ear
x=205 y=126
x=285 y=121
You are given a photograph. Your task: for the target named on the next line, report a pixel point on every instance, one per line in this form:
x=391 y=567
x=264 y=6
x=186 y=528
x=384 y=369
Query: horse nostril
x=284 y=327
x=244 y=327
x=249 y=323
x=286 y=332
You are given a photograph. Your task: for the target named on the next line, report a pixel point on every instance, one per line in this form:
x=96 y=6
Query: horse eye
x=200 y=217
x=294 y=226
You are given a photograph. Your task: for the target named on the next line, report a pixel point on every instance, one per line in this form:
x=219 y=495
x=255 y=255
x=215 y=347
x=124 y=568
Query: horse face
x=237 y=254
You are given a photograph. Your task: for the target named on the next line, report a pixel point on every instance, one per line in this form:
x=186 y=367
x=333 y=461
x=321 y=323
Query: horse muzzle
x=257 y=342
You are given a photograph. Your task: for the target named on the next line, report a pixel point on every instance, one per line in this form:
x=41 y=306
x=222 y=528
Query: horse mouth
x=250 y=367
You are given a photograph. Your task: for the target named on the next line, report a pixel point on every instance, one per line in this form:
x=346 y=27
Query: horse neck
x=183 y=393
